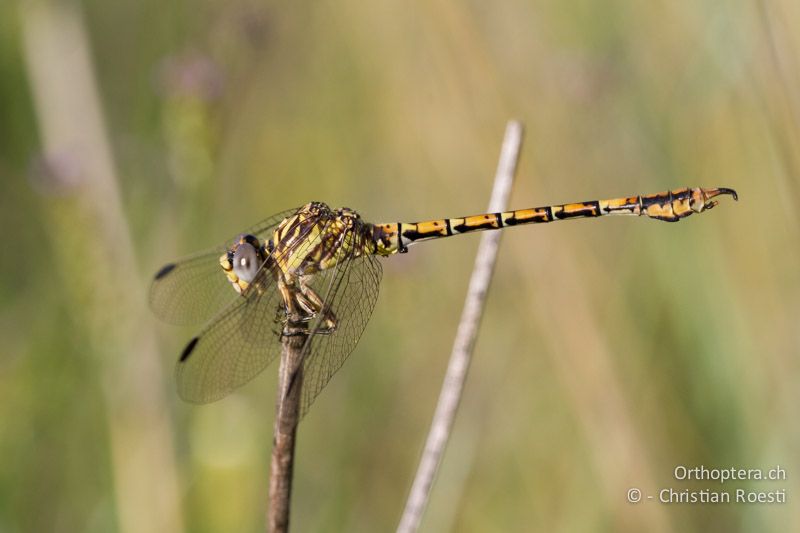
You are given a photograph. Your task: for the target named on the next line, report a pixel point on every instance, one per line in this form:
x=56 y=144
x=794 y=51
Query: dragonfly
x=314 y=271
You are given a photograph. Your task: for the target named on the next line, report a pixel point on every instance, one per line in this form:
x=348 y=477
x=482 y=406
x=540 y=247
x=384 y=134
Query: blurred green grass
x=611 y=350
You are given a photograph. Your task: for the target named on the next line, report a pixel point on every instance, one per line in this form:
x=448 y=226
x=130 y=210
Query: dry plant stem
x=467 y=332
x=290 y=383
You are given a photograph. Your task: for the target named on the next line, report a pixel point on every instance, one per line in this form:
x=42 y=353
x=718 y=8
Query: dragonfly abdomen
x=669 y=206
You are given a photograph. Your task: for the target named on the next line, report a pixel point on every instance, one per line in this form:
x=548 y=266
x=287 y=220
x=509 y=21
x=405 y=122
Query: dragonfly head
x=242 y=261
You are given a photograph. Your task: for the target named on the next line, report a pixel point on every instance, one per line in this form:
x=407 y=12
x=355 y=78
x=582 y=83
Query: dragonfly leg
x=301 y=305
x=295 y=318
x=309 y=297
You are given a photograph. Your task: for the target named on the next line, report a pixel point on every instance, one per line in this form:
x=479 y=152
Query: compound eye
x=245 y=262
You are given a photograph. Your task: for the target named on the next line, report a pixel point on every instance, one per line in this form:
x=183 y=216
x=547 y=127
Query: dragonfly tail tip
x=725 y=190
x=711 y=193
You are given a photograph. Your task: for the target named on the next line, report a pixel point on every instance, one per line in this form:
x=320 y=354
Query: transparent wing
x=192 y=290
x=236 y=347
x=242 y=340
x=350 y=291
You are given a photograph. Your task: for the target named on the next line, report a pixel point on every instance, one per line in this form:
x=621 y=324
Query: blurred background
x=612 y=351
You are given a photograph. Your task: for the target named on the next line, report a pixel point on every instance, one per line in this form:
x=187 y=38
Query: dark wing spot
x=166 y=269
x=188 y=350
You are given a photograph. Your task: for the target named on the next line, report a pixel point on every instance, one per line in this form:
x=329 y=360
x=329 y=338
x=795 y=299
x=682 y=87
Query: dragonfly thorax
x=317 y=237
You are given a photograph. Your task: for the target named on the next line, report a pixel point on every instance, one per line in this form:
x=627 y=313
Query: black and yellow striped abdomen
x=669 y=206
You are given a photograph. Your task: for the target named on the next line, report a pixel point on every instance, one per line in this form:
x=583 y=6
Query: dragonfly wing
x=240 y=343
x=191 y=290
x=194 y=289
x=264 y=229
x=350 y=290
x=242 y=340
